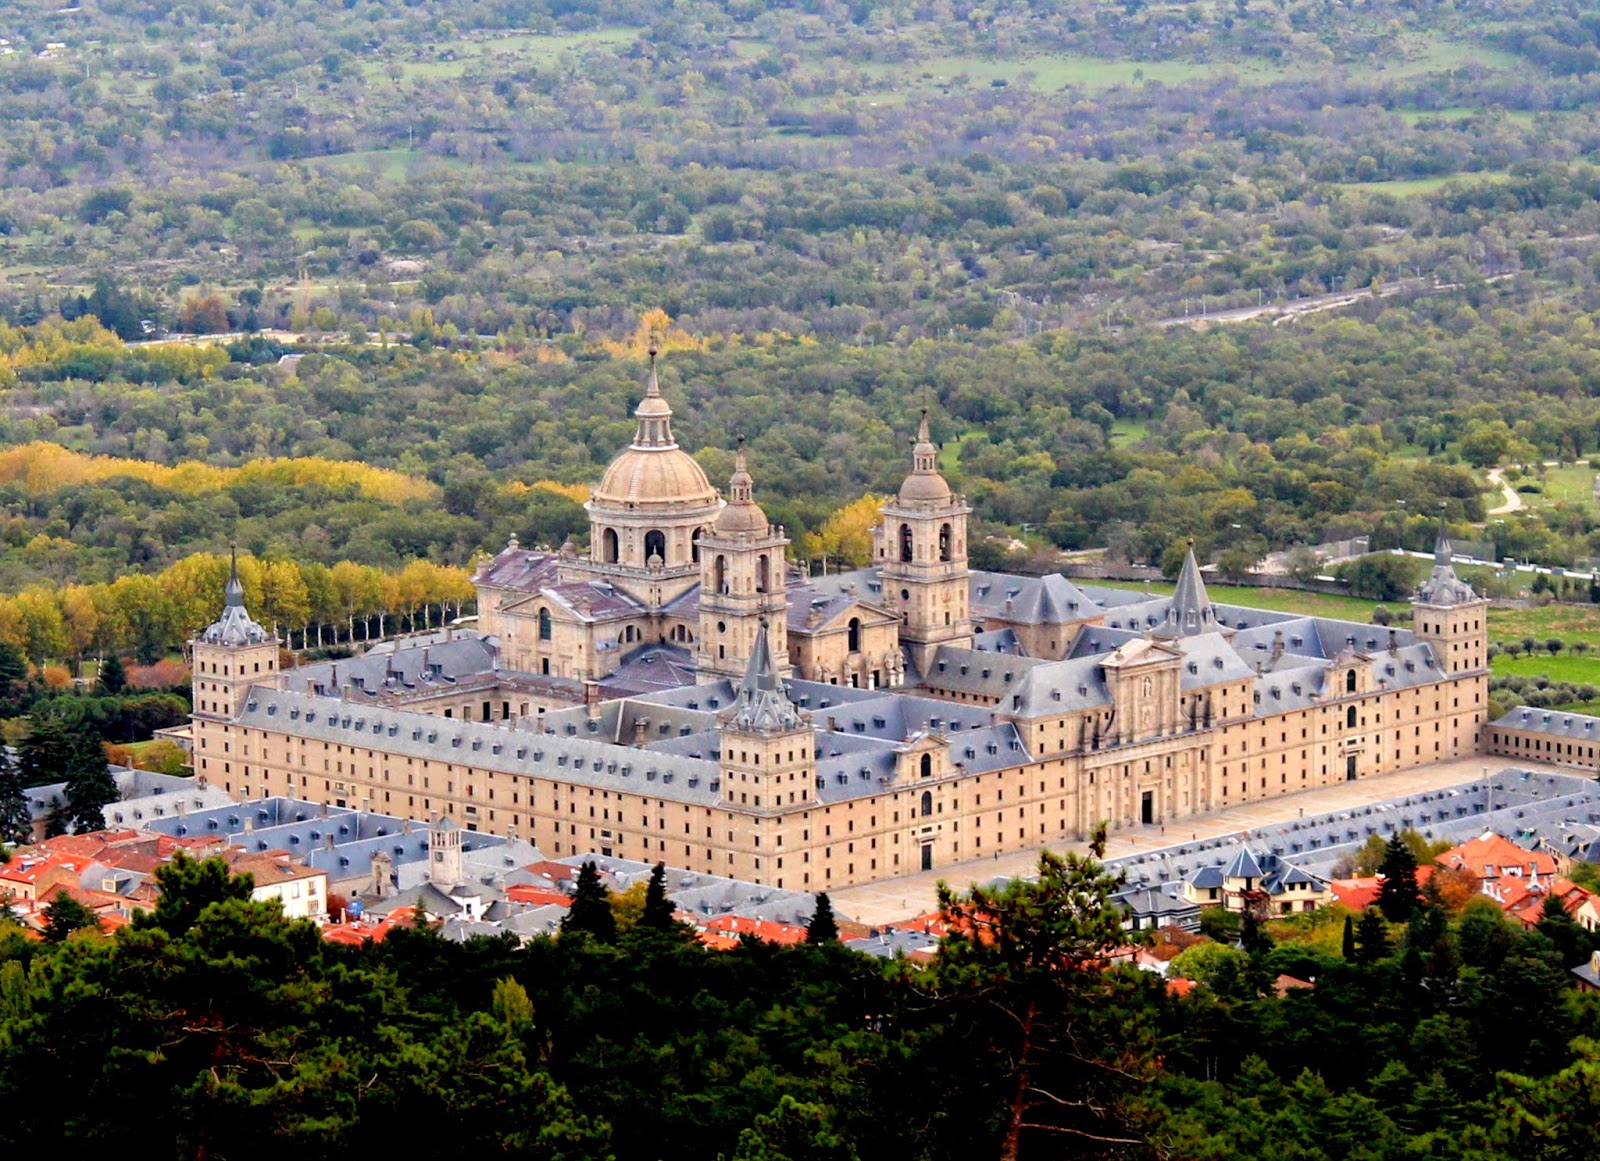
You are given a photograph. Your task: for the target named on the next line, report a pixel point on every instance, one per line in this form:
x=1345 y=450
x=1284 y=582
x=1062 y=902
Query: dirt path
x=1513 y=500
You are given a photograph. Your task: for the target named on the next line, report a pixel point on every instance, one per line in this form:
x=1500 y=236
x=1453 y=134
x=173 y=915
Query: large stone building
x=681 y=693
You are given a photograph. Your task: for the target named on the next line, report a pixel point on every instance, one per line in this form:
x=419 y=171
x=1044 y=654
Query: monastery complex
x=680 y=692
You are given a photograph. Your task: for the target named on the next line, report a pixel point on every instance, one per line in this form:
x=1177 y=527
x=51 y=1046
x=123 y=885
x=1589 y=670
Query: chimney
x=1594 y=963
x=1277 y=644
x=639 y=727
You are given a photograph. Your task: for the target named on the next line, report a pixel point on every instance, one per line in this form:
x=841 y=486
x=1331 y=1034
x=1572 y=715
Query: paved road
x=913 y=895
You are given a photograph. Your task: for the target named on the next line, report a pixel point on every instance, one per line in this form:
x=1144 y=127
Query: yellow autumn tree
x=655 y=326
x=845 y=538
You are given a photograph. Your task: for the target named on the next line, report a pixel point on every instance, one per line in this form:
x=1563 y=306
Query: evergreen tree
x=1253 y=937
x=1557 y=925
x=43 y=752
x=113 y=677
x=823 y=928
x=16 y=825
x=1348 y=948
x=591 y=907
x=658 y=909
x=90 y=787
x=63 y=915
x=1397 y=894
x=1372 y=937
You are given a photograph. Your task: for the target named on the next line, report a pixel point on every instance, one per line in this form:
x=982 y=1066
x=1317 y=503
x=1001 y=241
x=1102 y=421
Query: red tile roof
x=1490 y=856
x=1356 y=894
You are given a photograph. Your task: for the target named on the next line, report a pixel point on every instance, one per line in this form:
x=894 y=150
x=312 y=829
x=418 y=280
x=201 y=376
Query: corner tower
x=921 y=552
x=228 y=657
x=742 y=582
x=1448 y=615
x=767 y=744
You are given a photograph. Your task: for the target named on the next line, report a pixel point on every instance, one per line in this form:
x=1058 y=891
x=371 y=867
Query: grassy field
x=1569 y=622
x=1054 y=71
x=1576 y=670
x=1126 y=431
x=1569 y=484
x=452 y=58
x=1278 y=600
x=1421 y=186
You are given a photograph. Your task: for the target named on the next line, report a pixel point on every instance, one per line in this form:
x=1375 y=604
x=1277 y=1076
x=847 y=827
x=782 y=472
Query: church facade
x=679 y=692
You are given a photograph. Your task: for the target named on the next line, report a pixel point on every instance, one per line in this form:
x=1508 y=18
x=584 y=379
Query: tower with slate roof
x=921 y=552
x=742 y=582
x=1448 y=615
x=1190 y=613
x=229 y=656
x=767 y=744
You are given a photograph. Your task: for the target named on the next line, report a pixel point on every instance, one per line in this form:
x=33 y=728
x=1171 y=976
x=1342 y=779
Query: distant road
x=1293 y=308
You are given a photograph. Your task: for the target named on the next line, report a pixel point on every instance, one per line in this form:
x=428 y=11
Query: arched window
x=927 y=770
x=927 y=803
x=655 y=544
x=905 y=542
x=1350 y=717
x=694 y=545
x=608 y=546
x=1350 y=681
x=944 y=542
x=544 y=624
x=719 y=581
x=855 y=635
x=763 y=575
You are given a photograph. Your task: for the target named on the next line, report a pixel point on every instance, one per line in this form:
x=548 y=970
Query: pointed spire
x=233 y=591
x=1443 y=551
x=924 y=484
x=741 y=486
x=1443 y=586
x=654 y=413
x=762 y=705
x=234 y=627
x=741 y=514
x=1190 y=612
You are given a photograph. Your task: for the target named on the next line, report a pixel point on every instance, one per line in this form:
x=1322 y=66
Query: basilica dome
x=653 y=471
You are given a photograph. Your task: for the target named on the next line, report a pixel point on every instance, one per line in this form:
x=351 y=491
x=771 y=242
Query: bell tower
x=743 y=583
x=921 y=552
x=1448 y=615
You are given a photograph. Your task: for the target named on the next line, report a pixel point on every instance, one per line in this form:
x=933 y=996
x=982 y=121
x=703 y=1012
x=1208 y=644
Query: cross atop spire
x=762 y=705
x=1190 y=612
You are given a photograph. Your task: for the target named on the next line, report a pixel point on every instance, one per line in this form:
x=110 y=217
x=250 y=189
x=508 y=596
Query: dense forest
x=833 y=216
x=1450 y=1036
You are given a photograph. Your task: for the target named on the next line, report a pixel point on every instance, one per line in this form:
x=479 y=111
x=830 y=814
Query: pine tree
x=1397 y=893
x=64 y=915
x=42 y=753
x=113 y=677
x=658 y=909
x=16 y=824
x=1348 y=949
x=90 y=787
x=823 y=928
x=1372 y=937
x=591 y=911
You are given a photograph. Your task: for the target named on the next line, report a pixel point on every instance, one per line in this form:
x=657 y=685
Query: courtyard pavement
x=913 y=895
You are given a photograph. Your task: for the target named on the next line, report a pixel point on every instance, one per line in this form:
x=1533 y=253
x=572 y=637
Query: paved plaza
x=1160 y=854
